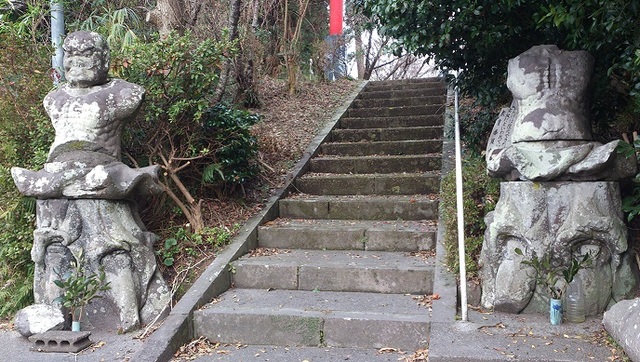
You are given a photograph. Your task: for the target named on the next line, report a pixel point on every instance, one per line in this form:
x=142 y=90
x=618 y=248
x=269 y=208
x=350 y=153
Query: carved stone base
x=561 y=220
x=110 y=236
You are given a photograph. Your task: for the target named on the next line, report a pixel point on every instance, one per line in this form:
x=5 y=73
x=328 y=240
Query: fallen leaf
x=387 y=350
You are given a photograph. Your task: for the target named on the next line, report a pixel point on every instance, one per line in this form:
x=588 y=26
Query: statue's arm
x=129 y=97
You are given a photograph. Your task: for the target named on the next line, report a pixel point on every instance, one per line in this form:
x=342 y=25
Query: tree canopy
x=479 y=37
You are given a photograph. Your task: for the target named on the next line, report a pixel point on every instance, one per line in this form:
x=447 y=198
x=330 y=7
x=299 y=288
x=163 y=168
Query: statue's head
x=86 y=59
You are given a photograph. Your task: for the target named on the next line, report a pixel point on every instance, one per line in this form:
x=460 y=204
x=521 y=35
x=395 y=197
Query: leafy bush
x=480 y=194
x=233 y=163
x=26 y=134
x=199 y=146
x=476 y=123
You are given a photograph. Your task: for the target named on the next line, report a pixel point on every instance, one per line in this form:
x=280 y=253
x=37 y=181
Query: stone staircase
x=353 y=248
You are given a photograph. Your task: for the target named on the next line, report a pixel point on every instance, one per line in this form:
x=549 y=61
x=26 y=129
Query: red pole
x=335 y=17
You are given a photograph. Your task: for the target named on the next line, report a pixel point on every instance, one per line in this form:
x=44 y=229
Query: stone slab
x=60 y=341
x=361 y=271
x=277 y=315
x=370 y=207
x=410 y=147
x=401 y=84
x=398 y=93
x=375 y=164
x=386 y=134
x=407 y=335
x=392 y=235
x=257 y=327
x=508 y=337
x=378 y=122
x=260 y=353
x=396 y=111
x=370 y=184
x=398 y=102
x=312 y=236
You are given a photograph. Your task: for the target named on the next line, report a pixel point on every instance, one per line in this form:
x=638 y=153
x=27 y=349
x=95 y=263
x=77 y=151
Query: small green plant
x=548 y=274
x=183 y=242
x=80 y=288
x=168 y=251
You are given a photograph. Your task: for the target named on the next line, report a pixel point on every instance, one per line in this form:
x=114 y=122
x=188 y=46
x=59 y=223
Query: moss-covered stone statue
x=560 y=200
x=85 y=193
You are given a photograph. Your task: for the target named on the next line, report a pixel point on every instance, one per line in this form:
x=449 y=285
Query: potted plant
x=549 y=275
x=79 y=289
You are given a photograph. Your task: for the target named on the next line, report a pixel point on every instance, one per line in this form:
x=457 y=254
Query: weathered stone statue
x=84 y=192
x=543 y=146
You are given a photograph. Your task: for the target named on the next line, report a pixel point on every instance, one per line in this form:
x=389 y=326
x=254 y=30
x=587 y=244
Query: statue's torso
x=91 y=116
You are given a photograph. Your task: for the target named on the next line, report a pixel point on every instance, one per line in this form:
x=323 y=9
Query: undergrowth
x=481 y=193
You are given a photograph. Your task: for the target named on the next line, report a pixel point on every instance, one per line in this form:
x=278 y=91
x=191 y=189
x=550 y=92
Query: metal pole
x=460 y=209
x=57 y=34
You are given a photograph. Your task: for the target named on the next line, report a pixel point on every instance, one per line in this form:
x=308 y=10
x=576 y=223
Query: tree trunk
x=234 y=19
x=292 y=55
x=167 y=16
x=359 y=52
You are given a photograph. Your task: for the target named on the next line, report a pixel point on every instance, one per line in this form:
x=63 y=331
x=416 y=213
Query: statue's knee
x=57 y=257
x=116 y=262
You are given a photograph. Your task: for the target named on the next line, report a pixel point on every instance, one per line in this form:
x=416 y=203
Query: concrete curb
x=177 y=328
x=445 y=284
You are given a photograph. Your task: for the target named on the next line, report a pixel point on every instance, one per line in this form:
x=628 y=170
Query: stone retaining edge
x=445 y=282
x=177 y=328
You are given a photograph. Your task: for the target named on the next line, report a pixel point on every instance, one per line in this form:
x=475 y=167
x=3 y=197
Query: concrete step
x=301 y=318
x=391 y=122
x=386 y=134
x=369 y=184
x=429 y=109
x=331 y=270
x=410 y=147
x=369 y=207
x=387 y=235
x=230 y=353
x=376 y=164
x=405 y=84
x=398 y=102
x=401 y=93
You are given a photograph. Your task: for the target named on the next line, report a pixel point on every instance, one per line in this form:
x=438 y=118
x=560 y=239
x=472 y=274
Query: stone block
x=60 y=341
x=38 y=318
x=622 y=321
x=264 y=275
x=409 y=334
x=260 y=328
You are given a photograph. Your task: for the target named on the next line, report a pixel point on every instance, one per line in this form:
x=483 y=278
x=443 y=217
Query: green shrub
x=26 y=134
x=480 y=194
x=476 y=123
x=234 y=162
x=201 y=146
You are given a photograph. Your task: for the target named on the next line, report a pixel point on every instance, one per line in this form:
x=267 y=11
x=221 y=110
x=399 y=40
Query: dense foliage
x=198 y=145
x=26 y=135
x=478 y=37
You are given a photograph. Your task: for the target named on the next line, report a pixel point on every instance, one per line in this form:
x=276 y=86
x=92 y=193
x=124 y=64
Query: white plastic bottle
x=574 y=301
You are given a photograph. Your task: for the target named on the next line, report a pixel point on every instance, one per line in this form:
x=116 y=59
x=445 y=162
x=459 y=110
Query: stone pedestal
x=109 y=236
x=562 y=220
